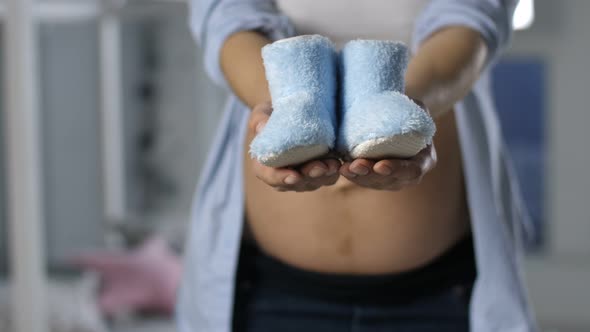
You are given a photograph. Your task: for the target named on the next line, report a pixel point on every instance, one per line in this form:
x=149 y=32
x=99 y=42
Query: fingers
x=361 y=166
x=276 y=177
x=384 y=167
x=319 y=168
x=309 y=176
x=328 y=178
x=346 y=172
x=402 y=170
x=333 y=166
x=356 y=168
x=390 y=174
x=380 y=177
x=408 y=169
x=314 y=169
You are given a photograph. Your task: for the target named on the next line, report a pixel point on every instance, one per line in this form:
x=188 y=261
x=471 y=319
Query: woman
x=362 y=245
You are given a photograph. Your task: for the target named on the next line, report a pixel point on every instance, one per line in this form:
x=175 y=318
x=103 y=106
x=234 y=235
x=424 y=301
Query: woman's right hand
x=305 y=177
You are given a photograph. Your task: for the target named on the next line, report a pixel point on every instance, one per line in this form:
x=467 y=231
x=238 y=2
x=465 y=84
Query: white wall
x=559 y=278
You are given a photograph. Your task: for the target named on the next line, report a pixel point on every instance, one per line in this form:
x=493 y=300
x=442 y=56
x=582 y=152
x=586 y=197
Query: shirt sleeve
x=491 y=18
x=213 y=21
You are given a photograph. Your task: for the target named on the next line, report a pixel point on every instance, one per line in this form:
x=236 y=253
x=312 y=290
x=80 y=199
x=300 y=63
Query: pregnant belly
x=348 y=229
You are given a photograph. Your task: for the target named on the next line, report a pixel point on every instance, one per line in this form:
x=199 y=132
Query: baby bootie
x=301 y=73
x=378 y=120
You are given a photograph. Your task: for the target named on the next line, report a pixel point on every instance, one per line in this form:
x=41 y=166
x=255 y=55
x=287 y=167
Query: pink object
x=145 y=279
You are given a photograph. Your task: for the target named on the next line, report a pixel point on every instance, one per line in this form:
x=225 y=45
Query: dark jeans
x=270 y=299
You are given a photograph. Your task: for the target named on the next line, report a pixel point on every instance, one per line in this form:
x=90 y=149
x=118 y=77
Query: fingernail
x=316 y=172
x=291 y=179
x=386 y=170
x=332 y=172
x=360 y=170
x=259 y=127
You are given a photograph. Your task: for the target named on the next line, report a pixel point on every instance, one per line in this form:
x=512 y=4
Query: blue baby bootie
x=378 y=120
x=301 y=73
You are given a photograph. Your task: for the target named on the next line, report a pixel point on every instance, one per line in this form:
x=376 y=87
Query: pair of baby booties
x=351 y=102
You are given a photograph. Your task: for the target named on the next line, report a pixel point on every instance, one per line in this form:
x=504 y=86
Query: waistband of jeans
x=456 y=266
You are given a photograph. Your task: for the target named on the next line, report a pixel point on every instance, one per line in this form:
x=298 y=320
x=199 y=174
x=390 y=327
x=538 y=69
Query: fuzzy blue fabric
x=373 y=104
x=301 y=73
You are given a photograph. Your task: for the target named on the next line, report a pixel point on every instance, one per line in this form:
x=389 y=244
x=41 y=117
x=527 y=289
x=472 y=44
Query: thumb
x=259 y=116
x=260 y=126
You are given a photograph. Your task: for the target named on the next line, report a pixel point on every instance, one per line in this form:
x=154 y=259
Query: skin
x=362 y=216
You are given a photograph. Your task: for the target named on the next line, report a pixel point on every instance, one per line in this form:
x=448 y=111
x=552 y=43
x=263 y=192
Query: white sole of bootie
x=399 y=146
x=294 y=156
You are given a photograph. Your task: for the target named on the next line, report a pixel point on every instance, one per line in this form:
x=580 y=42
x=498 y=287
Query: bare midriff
x=348 y=229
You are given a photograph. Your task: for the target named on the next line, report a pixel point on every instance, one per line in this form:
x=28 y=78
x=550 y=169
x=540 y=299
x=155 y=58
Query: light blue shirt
x=499 y=301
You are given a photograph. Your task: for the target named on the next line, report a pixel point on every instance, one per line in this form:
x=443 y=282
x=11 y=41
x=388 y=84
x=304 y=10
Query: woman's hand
x=306 y=177
x=390 y=174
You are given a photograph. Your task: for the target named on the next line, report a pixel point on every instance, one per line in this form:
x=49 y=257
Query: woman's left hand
x=390 y=174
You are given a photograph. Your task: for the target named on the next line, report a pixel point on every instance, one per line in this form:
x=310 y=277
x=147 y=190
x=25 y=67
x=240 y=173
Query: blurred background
x=107 y=110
